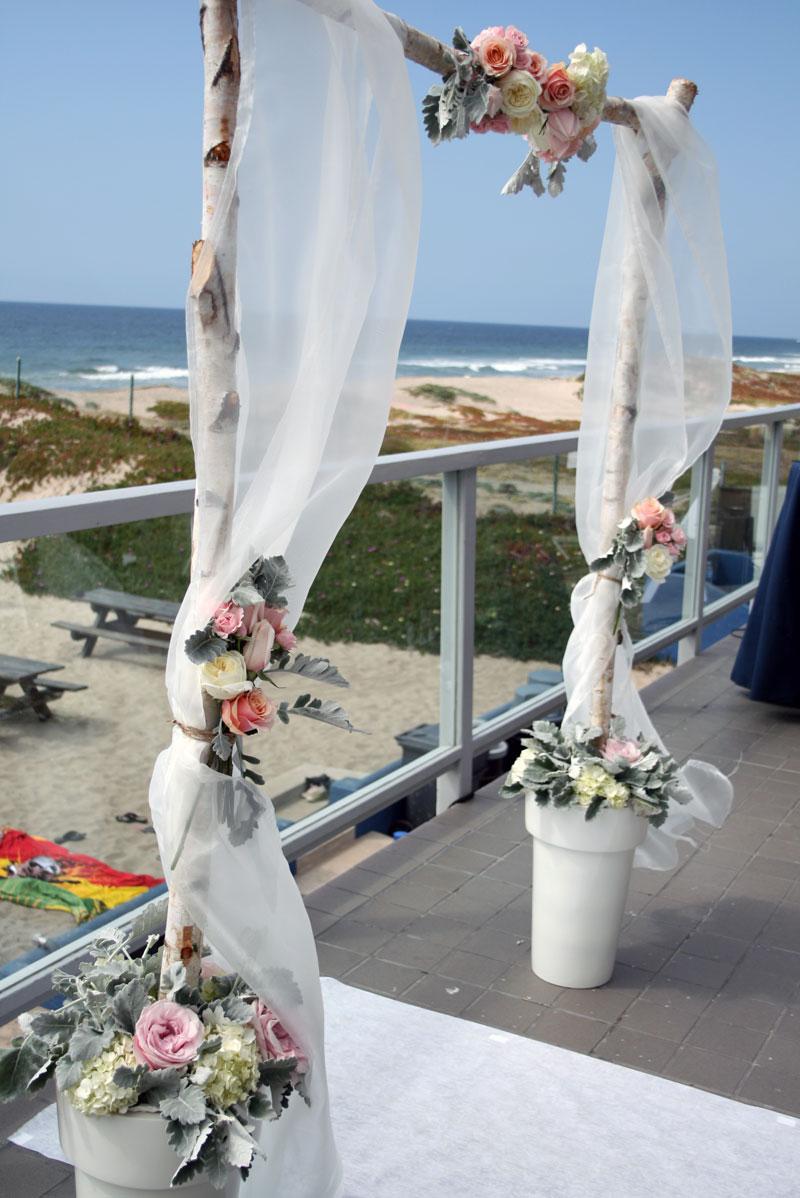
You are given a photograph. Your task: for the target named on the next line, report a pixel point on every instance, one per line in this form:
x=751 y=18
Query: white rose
x=657 y=562
x=225 y=677
x=588 y=71
x=520 y=94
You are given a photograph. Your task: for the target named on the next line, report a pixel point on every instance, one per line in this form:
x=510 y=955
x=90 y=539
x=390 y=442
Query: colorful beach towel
x=84 y=887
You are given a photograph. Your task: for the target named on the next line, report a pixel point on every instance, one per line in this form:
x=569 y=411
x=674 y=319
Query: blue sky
x=100 y=200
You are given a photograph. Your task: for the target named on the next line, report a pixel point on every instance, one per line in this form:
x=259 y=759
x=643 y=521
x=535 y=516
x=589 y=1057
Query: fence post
x=457 y=636
x=130 y=400
x=770 y=484
x=697 y=554
x=18 y=385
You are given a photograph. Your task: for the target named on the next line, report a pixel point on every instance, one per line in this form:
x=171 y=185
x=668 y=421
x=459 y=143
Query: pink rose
x=563 y=134
x=664 y=536
x=228 y=618
x=492 y=124
x=516 y=36
x=622 y=750
x=283 y=635
x=496 y=54
x=492 y=31
x=537 y=65
x=678 y=536
x=248 y=712
x=252 y=615
x=558 y=90
x=668 y=519
x=166 y=1034
x=273 y=1040
x=649 y=513
x=258 y=650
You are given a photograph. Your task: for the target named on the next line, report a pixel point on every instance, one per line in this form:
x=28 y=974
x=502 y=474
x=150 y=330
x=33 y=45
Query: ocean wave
x=492 y=365
x=141 y=374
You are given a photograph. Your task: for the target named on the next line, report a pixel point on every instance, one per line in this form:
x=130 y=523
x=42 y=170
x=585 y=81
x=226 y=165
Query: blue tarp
x=768 y=661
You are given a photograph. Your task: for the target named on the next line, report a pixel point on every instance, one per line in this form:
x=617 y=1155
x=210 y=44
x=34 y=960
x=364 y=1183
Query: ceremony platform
x=707 y=988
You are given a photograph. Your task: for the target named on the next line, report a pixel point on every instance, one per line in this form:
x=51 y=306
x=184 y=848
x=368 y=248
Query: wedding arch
x=299 y=292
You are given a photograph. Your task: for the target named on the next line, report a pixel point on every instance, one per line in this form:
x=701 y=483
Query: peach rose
x=649 y=513
x=252 y=615
x=258 y=649
x=249 y=712
x=283 y=635
x=537 y=65
x=496 y=54
x=558 y=90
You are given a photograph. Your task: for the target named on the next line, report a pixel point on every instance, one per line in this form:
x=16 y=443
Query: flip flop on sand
x=130 y=817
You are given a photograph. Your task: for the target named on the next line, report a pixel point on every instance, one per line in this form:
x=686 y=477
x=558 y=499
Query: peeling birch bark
x=212 y=291
x=622 y=423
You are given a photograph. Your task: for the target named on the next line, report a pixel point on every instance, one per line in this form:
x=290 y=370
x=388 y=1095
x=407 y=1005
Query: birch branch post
x=216 y=415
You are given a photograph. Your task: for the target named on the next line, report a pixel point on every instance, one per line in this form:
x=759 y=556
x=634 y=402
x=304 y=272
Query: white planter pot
x=581 y=872
x=125 y=1156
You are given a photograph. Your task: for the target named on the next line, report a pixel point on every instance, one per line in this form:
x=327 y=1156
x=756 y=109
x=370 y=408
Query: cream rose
x=588 y=71
x=520 y=94
x=225 y=677
x=657 y=562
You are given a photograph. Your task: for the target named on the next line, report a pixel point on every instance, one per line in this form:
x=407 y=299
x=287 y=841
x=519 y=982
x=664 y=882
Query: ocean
x=69 y=347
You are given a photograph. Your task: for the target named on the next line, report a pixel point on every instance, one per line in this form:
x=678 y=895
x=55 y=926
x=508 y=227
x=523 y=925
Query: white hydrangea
x=616 y=794
x=95 y=1093
x=588 y=70
x=526 y=758
x=590 y=783
x=230 y=1073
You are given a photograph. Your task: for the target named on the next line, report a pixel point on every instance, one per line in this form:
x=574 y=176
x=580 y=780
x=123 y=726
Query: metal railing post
x=770 y=485
x=457 y=637
x=697 y=554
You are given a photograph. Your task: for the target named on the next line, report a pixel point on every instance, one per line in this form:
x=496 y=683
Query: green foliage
x=28 y=390
x=446 y=394
x=176 y=410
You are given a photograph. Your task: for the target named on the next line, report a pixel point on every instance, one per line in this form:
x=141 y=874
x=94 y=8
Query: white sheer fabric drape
x=678 y=263
x=326 y=164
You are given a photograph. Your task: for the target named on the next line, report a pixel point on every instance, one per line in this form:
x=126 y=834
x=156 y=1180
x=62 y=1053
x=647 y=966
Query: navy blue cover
x=768 y=661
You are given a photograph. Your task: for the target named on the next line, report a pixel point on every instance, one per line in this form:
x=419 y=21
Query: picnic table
x=116 y=617
x=36 y=692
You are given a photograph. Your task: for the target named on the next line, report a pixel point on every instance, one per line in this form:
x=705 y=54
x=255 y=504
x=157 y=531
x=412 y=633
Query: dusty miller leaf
x=187 y=1106
x=527 y=175
x=85 y=1043
x=19 y=1066
x=222 y=745
x=128 y=1004
x=555 y=180
x=587 y=148
x=239 y=809
x=319 y=668
x=324 y=710
x=204 y=645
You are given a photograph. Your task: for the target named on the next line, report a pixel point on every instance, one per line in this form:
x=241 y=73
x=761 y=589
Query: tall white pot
x=581 y=873
x=126 y=1156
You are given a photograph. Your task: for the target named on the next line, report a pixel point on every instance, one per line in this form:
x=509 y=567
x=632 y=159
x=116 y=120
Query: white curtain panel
x=678 y=261
x=326 y=165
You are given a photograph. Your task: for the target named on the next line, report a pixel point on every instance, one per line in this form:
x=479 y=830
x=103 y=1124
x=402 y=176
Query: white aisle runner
x=428 y=1106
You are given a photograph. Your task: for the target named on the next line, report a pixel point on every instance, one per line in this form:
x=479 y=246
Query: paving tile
x=334 y=962
x=436 y=877
x=409 y=892
x=469 y=967
x=774 y=960
x=64 y=1189
x=576 y=1032
x=514 y=920
x=320 y=920
x=383 y=977
x=484 y=842
x=478 y=899
x=380 y=913
x=637 y=1050
x=439 y=929
x=500 y=946
x=715 y=948
x=27 y=1173
x=455 y=856
x=504 y=1011
x=789 y=1024
x=748 y=981
x=516 y=867
x=702 y=971
x=650 y=957
x=715 y=1035
x=362 y=881
x=442 y=994
x=668 y=1022
x=334 y=900
x=520 y=981
x=780 y=1052
x=708 y=1070
x=358 y=937
x=607 y=1002
x=746 y=1011
x=679 y=995
x=782 y=930
x=775 y=1088
x=416 y=951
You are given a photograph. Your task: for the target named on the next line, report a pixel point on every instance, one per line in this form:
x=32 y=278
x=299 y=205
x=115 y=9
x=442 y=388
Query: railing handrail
x=22 y=519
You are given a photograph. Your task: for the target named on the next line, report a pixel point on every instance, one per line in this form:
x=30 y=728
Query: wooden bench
x=116 y=618
x=36 y=691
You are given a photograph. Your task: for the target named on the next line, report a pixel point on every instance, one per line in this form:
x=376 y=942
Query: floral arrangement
x=573 y=767
x=648 y=543
x=212 y=1062
x=500 y=84
x=247 y=641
